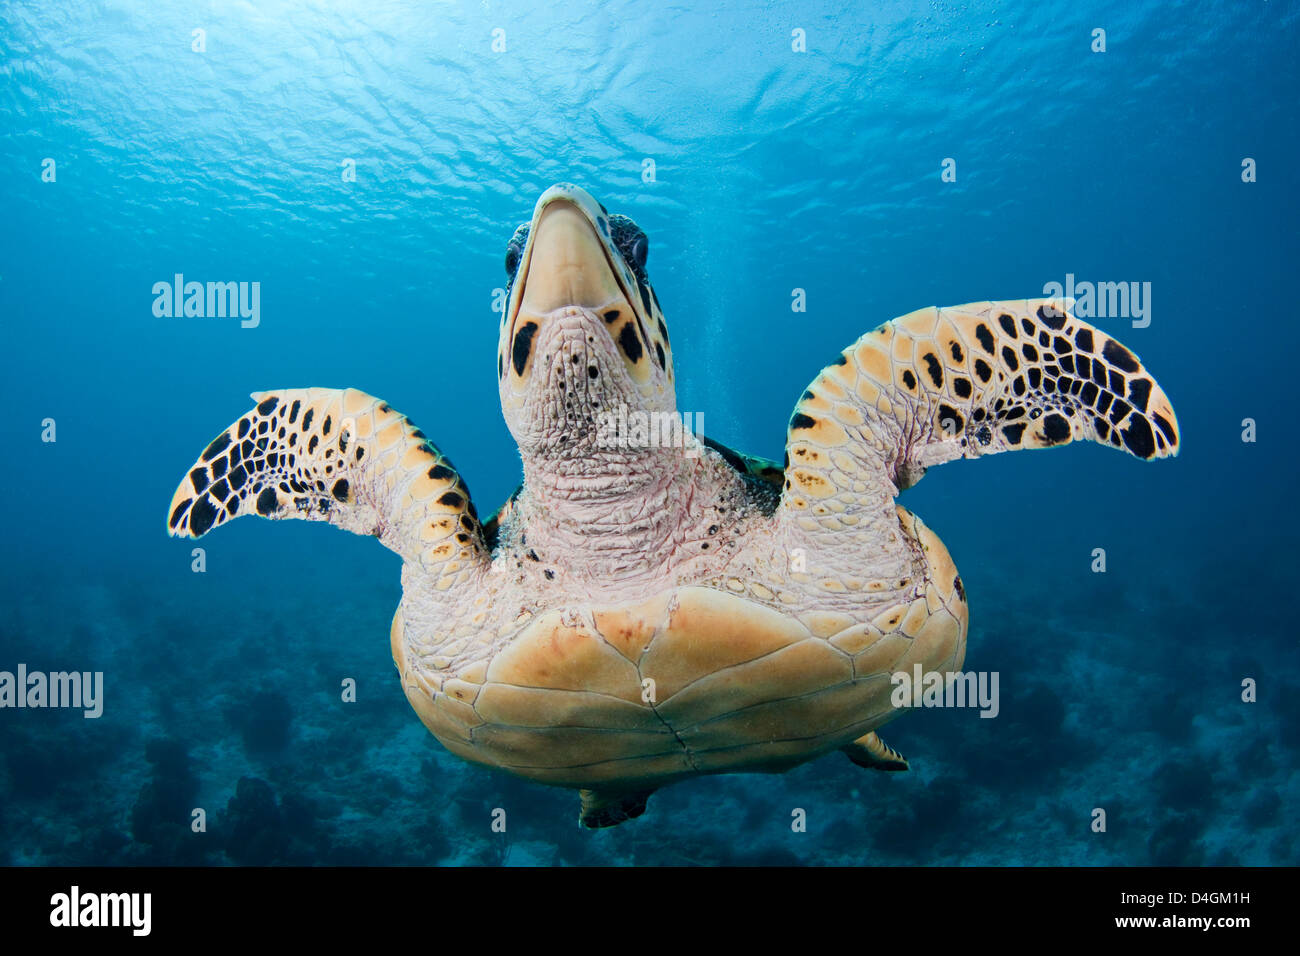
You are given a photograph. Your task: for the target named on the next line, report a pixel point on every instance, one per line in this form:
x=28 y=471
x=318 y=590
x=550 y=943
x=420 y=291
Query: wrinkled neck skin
x=618 y=515
x=611 y=505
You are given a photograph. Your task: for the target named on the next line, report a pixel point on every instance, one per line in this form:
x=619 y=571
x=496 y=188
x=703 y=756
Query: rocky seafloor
x=1112 y=699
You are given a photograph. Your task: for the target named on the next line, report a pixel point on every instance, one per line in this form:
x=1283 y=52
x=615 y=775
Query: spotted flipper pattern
x=964 y=382
x=340 y=456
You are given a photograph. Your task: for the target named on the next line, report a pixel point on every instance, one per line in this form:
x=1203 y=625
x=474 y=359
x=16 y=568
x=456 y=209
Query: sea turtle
x=645 y=610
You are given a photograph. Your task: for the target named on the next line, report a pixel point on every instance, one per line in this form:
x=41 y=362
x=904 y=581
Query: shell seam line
x=686 y=751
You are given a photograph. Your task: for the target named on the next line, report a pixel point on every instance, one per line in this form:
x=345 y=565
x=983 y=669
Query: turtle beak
x=571 y=274
x=568 y=264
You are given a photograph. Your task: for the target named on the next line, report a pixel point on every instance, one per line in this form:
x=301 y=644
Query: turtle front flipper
x=964 y=382
x=336 y=455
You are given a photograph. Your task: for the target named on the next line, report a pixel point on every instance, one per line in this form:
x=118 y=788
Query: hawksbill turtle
x=640 y=612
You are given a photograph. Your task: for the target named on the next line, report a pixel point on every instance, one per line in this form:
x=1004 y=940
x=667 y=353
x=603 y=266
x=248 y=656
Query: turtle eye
x=640 y=249
x=515 y=249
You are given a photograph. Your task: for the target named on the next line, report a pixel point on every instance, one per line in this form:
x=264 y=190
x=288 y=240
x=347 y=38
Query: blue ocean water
x=128 y=156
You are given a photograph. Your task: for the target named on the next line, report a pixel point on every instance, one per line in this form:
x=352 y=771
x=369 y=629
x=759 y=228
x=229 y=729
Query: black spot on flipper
x=1121 y=409
x=1138 y=437
x=1027 y=326
x=202 y=515
x=1018 y=386
x=909 y=379
x=957 y=354
x=220 y=490
x=179 y=513
x=219 y=468
x=1089 y=393
x=340 y=491
x=306 y=419
x=1050 y=317
x=199 y=478
x=934 y=368
x=950 y=420
x=1103 y=401
x=325 y=429
x=1139 y=392
x=800 y=420
x=611 y=315
x=1099 y=373
x=1035 y=376
x=959 y=587
x=1164 y=425
x=1102 y=426
x=1044 y=340
x=441 y=472
x=983 y=371
x=1009 y=358
x=1117 y=383
x=841 y=359
x=293 y=410
x=451 y=500
x=1056 y=428
x=1083 y=340
x=659 y=355
x=629 y=343
x=267 y=502
x=1119 y=356
x=984 y=435
x=962 y=387
x=217 y=447
x=238 y=475
x=985 y=338
x=311 y=446
x=243 y=427
x=1066 y=362
x=501 y=365
x=1062 y=345
x=523 y=345
x=1013 y=433
x=1008 y=324
x=1029 y=352
x=267 y=406
x=1082 y=367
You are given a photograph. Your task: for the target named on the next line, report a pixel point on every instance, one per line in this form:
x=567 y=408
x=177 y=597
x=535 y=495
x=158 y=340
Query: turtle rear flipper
x=873 y=753
x=336 y=455
x=608 y=808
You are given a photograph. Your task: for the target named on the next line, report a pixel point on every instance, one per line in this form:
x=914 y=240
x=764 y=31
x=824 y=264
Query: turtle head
x=582 y=333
